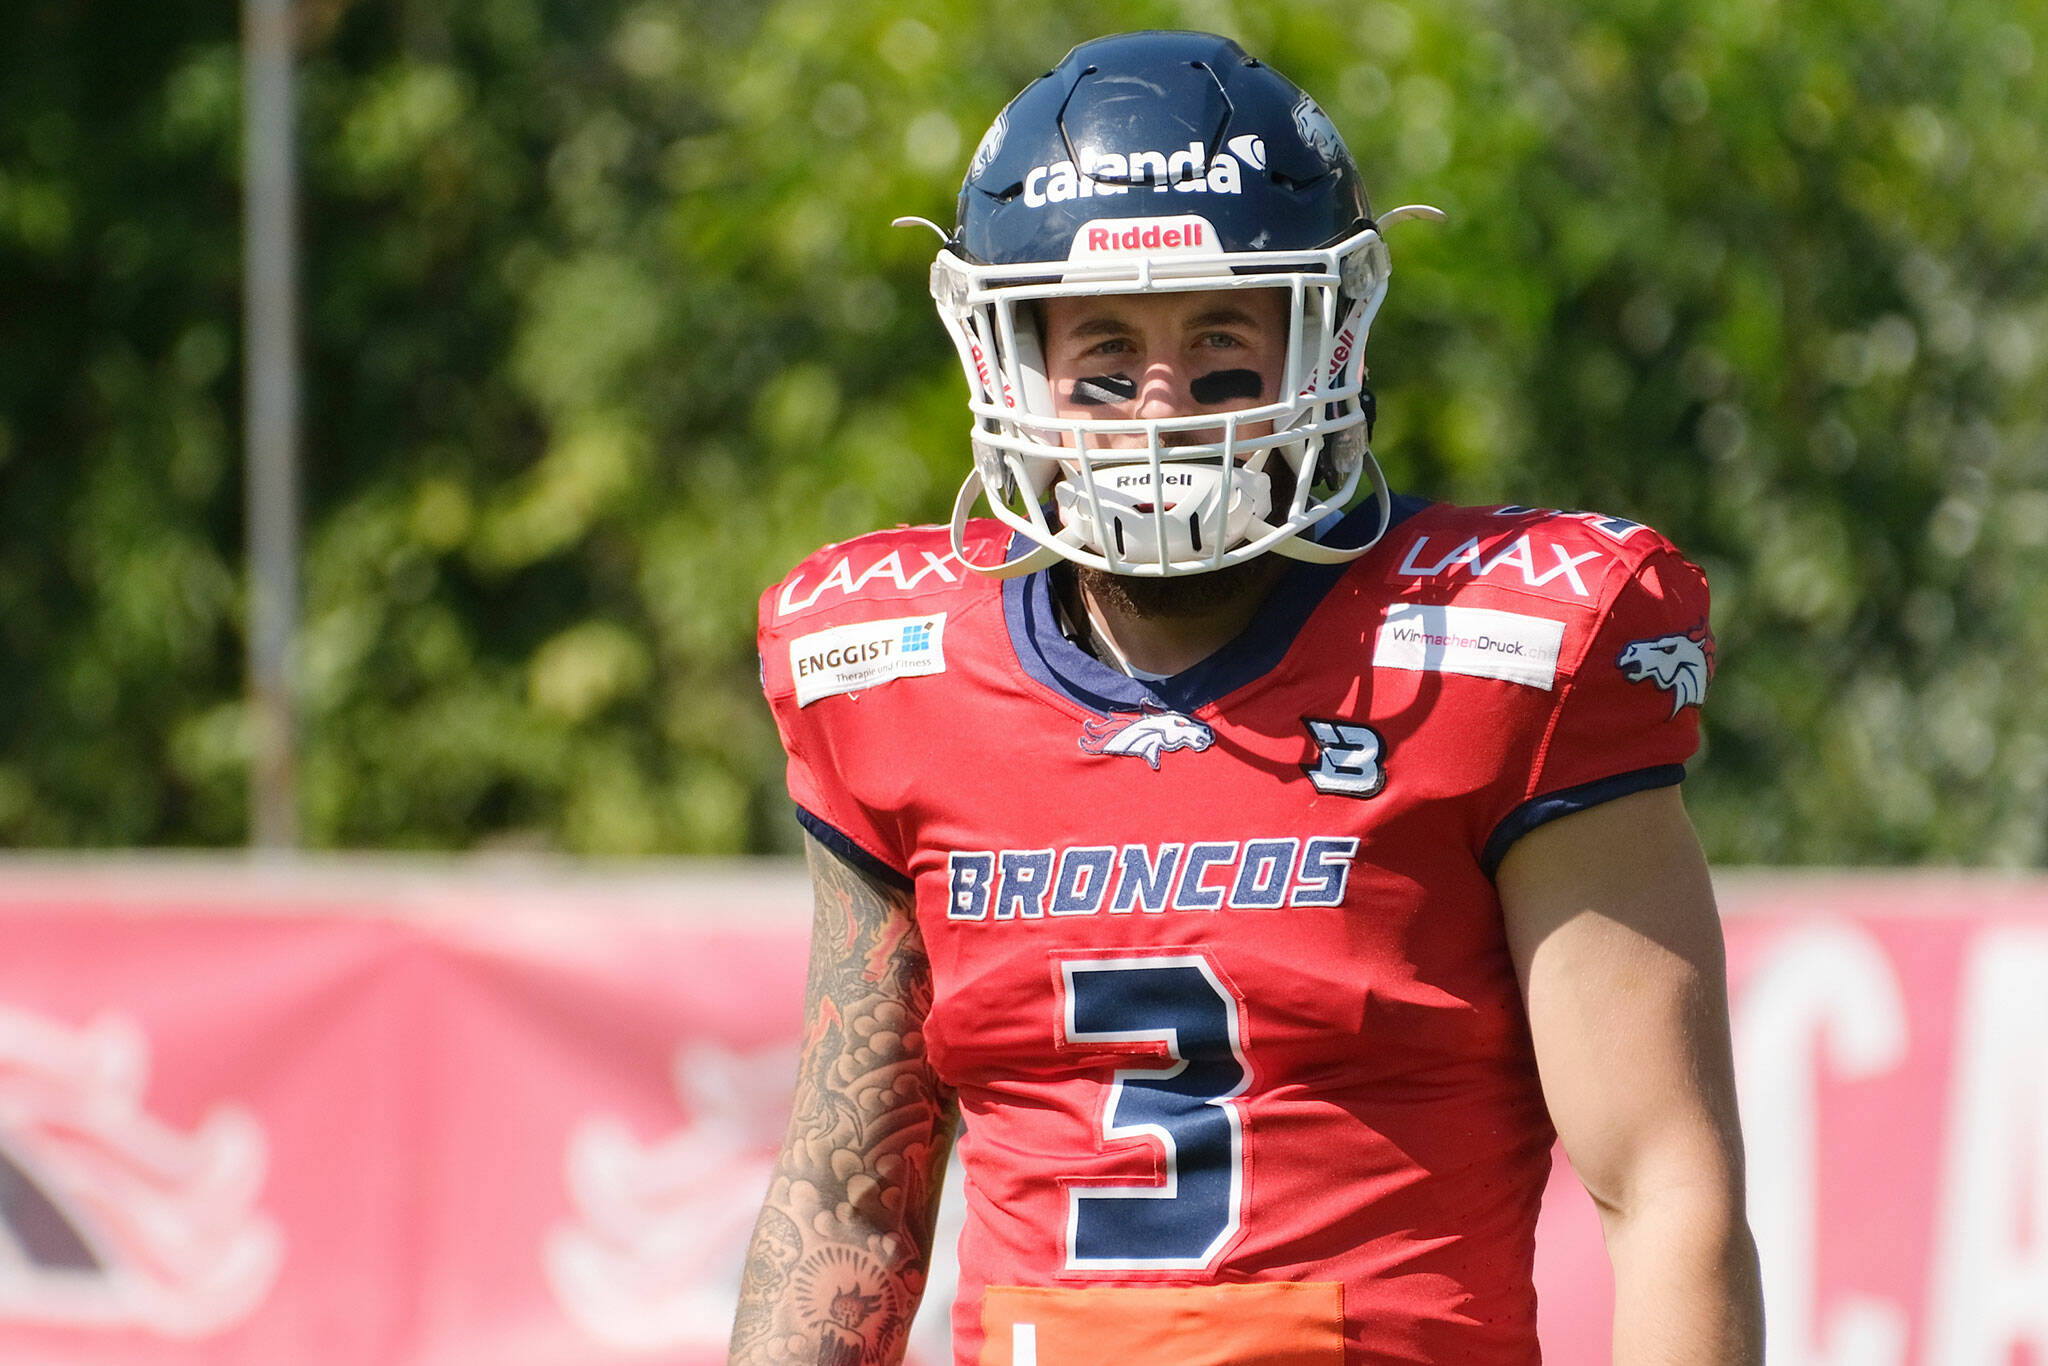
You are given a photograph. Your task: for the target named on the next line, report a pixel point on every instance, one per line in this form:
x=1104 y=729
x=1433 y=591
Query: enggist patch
x=849 y=658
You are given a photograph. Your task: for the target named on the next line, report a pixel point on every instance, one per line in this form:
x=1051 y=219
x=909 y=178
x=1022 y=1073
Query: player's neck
x=1164 y=626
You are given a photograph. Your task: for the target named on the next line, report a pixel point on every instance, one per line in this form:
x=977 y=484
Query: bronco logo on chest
x=1147 y=735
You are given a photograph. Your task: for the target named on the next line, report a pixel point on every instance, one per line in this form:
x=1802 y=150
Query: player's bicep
x=1610 y=918
x=867 y=1101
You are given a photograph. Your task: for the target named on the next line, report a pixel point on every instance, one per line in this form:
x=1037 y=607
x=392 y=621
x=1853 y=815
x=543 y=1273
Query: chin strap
x=1032 y=560
x=1300 y=547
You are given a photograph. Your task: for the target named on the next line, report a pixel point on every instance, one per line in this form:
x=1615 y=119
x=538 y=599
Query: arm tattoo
x=840 y=1254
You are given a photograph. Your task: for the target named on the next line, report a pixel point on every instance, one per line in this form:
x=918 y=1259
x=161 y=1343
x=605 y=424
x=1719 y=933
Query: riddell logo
x=1340 y=356
x=1167 y=479
x=1187 y=234
x=1342 y=353
x=988 y=379
x=1110 y=239
x=1187 y=171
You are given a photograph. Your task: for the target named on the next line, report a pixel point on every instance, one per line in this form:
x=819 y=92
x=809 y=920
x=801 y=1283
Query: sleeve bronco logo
x=1679 y=664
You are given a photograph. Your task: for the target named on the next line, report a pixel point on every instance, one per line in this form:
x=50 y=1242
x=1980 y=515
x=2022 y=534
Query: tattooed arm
x=840 y=1252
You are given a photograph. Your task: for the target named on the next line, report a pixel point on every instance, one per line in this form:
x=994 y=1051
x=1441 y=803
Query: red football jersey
x=1220 y=972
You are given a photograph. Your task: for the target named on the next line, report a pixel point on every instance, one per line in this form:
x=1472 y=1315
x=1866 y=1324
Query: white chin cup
x=1192 y=506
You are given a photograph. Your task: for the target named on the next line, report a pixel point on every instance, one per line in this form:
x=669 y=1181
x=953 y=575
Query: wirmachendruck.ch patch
x=1476 y=641
x=851 y=658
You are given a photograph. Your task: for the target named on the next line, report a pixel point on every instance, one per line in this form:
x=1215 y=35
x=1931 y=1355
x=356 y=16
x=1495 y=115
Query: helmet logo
x=1188 y=170
x=1317 y=131
x=991 y=144
x=1340 y=355
x=1120 y=236
x=988 y=378
x=1249 y=148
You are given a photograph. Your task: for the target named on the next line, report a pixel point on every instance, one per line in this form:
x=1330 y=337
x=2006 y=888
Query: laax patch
x=1475 y=641
x=1537 y=563
x=846 y=580
x=850 y=658
x=1681 y=664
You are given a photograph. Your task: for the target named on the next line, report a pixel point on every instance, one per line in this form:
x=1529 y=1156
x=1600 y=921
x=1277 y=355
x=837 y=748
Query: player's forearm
x=839 y=1260
x=1686 y=1288
x=840 y=1252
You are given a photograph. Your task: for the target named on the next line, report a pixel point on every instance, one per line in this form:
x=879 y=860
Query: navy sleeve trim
x=1548 y=807
x=860 y=858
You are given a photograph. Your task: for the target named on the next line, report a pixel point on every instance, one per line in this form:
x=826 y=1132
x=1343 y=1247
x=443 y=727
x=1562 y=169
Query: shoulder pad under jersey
x=882 y=567
x=1573 y=558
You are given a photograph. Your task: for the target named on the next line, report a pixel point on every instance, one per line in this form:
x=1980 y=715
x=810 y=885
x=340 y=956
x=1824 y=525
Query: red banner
x=425 y=1118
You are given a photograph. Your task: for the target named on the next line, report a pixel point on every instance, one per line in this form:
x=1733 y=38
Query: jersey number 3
x=1188 y=1108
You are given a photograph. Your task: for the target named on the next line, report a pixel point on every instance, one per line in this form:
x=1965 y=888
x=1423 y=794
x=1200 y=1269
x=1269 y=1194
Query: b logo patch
x=1348 y=762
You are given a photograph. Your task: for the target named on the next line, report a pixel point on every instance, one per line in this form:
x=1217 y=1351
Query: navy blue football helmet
x=1148 y=162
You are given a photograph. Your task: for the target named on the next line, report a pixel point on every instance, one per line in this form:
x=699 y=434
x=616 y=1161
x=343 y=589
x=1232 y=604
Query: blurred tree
x=119 y=506
x=608 y=326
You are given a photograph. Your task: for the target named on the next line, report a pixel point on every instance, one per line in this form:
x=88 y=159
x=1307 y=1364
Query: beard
x=1182 y=596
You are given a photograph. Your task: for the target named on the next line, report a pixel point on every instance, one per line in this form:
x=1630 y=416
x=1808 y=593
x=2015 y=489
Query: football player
x=1255 y=871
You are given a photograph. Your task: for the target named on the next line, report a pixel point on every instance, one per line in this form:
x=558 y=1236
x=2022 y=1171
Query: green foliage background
x=607 y=327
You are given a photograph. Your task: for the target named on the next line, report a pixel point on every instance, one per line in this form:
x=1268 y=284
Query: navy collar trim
x=1049 y=657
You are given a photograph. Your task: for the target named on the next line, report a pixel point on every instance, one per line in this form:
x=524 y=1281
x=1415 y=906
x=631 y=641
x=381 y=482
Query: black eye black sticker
x=1221 y=386
x=1096 y=390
